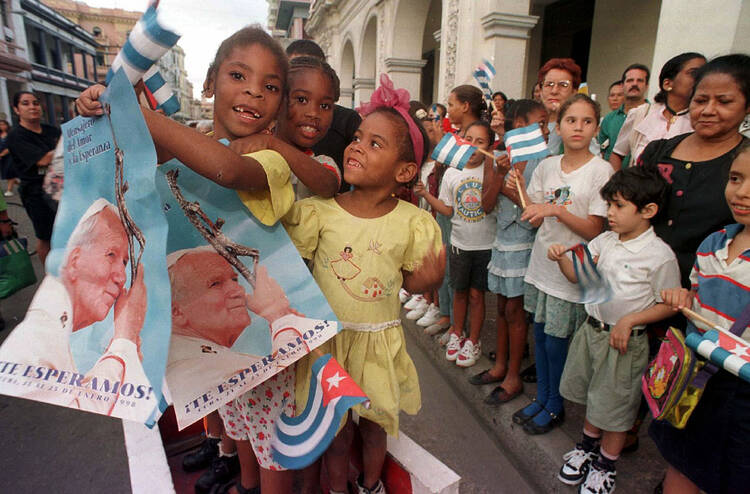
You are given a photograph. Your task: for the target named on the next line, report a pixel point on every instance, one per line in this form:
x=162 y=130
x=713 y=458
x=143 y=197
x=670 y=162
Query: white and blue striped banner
x=483 y=74
x=526 y=143
x=453 y=151
x=299 y=441
x=731 y=354
x=148 y=42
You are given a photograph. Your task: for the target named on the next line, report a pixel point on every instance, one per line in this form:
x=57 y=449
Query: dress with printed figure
x=371 y=344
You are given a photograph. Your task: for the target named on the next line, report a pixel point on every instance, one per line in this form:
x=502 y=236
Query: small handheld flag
x=453 y=151
x=483 y=74
x=526 y=143
x=299 y=441
x=731 y=354
x=148 y=42
x=594 y=288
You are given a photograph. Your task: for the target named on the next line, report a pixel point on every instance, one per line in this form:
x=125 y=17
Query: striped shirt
x=722 y=291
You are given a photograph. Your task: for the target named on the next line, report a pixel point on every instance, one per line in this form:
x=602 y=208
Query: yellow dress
x=357 y=263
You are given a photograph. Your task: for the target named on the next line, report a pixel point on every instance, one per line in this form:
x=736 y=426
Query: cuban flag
x=300 y=440
x=729 y=352
x=148 y=42
x=483 y=74
x=453 y=151
x=594 y=288
x=526 y=143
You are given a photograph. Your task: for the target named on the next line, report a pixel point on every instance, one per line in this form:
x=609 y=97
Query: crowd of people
x=645 y=188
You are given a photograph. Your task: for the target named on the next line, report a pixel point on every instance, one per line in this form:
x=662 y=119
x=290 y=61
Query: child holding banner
x=609 y=352
x=511 y=252
x=564 y=202
x=710 y=453
x=247 y=79
x=365 y=244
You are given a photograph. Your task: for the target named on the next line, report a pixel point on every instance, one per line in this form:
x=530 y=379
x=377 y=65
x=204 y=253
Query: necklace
x=675 y=114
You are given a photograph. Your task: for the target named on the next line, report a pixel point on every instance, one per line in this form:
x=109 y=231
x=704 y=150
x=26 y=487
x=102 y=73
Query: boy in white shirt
x=609 y=352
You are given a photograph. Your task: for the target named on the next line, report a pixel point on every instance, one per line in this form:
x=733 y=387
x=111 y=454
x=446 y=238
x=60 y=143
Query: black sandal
x=521 y=418
x=533 y=429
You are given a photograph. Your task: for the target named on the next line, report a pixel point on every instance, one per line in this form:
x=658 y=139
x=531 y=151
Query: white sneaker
x=598 y=481
x=469 y=354
x=8 y=193
x=403 y=296
x=431 y=316
x=444 y=338
x=455 y=343
x=576 y=466
x=434 y=329
x=418 y=311
x=413 y=302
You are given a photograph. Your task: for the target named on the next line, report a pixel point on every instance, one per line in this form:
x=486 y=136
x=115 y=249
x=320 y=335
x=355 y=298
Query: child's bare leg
x=311 y=479
x=275 y=481
x=500 y=368
x=460 y=303
x=249 y=470
x=476 y=302
x=612 y=442
x=515 y=318
x=337 y=457
x=428 y=297
x=373 y=451
x=213 y=424
x=676 y=483
x=42 y=249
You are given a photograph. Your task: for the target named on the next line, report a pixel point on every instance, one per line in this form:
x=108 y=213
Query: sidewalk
x=538 y=457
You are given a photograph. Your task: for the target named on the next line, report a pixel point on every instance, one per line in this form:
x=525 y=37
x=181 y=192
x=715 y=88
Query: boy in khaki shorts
x=609 y=352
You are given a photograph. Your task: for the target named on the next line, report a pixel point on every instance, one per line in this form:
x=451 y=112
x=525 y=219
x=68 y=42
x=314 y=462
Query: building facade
x=431 y=46
x=286 y=19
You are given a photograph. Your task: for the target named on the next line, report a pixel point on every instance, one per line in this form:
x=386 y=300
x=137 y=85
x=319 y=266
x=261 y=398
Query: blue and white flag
x=148 y=42
x=299 y=441
x=594 y=288
x=483 y=74
x=526 y=143
x=453 y=151
x=729 y=352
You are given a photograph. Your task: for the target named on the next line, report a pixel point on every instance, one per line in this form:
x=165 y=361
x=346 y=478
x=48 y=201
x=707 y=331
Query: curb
x=538 y=458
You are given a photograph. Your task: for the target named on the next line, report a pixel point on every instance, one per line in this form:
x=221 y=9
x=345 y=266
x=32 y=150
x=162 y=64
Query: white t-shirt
x=636 y=270
x=578 y=191
x=427 y=168
x=473 y=229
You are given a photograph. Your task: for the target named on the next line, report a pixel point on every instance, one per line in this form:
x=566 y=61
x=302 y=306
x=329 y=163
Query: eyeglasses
x=559 y=84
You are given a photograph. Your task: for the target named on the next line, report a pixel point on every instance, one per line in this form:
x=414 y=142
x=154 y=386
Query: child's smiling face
x=737 y=191
x=310 y=110
x=247 y=88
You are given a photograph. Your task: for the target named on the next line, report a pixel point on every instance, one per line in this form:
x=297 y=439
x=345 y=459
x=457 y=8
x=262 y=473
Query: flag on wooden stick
x=725 y=350
x=526 y=143
x=453 y=151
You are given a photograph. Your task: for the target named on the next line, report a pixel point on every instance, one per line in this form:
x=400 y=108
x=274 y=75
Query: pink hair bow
x=386 y=95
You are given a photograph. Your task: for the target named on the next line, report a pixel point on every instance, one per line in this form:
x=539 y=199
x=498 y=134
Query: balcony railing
x=52 y=75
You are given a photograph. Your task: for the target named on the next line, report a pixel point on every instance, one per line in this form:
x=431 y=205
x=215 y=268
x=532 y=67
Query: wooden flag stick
x=697 y=317
x=518 y=184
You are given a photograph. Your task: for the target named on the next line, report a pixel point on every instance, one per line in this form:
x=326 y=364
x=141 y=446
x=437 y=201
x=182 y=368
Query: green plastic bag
x=16 y=271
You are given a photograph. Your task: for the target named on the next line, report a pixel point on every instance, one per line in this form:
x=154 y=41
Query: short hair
x=670 y=70
x=575 y=99
x=17 y=97
x=636 y=66
x=81 y=234
x=486 y=126
x=472 y=95
x=442 y=110
x=298 y=64
x=520 y=108
x=637 y=184
x=616 y=83
x=305 y=47
x=737 y=66
x=567 y=64
x=250 y=35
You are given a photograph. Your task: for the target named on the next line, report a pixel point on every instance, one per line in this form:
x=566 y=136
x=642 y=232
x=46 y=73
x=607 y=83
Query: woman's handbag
x=675 y=380
x=16 y=271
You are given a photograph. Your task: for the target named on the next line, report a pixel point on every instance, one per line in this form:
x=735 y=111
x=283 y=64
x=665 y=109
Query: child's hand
x=420 y=189
x=620 y=334
x=497 y=124
x=428 y=275
x=88 y=104
x=503 y=165
x=536 y=212
x=251 y=144
x=556 y=252
x=514 y=177
x=677 y=298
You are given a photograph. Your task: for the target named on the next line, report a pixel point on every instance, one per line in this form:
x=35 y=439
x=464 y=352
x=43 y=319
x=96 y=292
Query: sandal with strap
x=534 y=429
x=521 y=418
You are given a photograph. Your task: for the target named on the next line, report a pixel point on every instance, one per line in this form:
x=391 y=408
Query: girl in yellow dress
x=392 y=243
